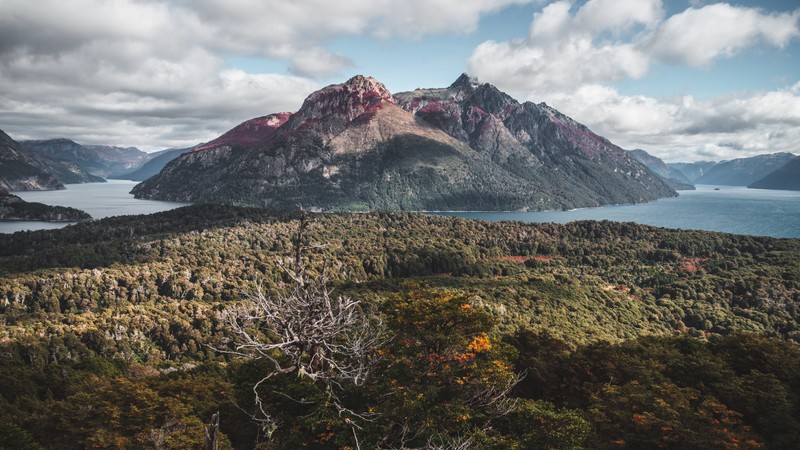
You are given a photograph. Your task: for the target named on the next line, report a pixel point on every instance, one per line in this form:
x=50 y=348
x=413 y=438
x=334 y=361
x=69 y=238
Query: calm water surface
x=98 y=199
x=731 y=209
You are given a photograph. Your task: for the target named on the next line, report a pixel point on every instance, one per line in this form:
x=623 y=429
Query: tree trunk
x=211 y=433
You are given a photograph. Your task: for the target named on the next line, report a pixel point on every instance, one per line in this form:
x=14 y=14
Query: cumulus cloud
x=699 y=36
x=572 y=53
x=567 y=48
x=153 y=73
x=687 y=129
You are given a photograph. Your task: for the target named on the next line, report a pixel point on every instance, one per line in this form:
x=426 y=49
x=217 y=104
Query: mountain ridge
x=102 y=160
x=674 y=177
x=786 y=177
x=354 y=145
x=22 y=169
x=744 y=171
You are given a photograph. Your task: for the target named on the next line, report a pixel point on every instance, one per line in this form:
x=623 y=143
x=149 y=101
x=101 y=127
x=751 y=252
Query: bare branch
x=330 y=340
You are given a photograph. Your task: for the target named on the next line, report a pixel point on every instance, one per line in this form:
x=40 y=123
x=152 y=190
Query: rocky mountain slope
x=744 y=171
x=15 y=208
x=674 y=177
x=23 y=170
x=562 y=157
x=102 y=160
x=355 y=146
x=787 y=177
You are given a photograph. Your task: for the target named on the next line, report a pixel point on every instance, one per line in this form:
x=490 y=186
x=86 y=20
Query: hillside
x=744 y=171
x=786 y=177
x=674 y=177
x=14 y=208
x=604 y=318
x=355 y=146
x=100 y=160
x=22 y=169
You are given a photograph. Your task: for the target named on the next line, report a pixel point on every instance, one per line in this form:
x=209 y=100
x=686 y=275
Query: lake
x=98 y=199
x=731 y=209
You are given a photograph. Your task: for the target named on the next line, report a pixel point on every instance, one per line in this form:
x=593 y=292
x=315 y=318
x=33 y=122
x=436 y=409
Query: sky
x=685 y=80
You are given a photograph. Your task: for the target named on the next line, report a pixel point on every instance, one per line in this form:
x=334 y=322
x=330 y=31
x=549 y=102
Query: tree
x=447 y=378
x=327 y=340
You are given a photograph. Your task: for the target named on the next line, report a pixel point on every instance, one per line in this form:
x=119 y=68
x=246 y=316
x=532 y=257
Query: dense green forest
x=492 y=335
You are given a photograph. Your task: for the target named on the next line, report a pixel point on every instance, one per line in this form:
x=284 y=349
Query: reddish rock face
x=252 y=132
x=330 y=110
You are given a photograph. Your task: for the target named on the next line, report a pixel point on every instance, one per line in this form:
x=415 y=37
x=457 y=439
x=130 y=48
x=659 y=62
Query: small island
x=15 y=208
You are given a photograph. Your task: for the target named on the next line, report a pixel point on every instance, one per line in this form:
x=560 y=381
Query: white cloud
x=687 y=129
x=150 y=73
x=565 y=49
x=293 y=30
x=608 y=40
x=572 y=53
x=699 y=36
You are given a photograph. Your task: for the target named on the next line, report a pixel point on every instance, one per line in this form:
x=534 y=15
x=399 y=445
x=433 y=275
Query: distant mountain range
x=102 y=160
x=693 y=171
x=674 y=177
x=22 y=169
x=744 y=171
x=355 y=146
x=787 y=177
x=157 y=162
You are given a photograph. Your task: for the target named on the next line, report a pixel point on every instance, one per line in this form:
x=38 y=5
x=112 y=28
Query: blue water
x=98 y=199
x=731 y=209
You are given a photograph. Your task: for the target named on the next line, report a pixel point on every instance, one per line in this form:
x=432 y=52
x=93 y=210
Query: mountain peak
x=331 y=108
x=368 y=84
x=465 y=81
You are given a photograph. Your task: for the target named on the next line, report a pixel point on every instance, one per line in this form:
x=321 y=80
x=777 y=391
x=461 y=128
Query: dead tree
x=212 y=430
x=330 y=340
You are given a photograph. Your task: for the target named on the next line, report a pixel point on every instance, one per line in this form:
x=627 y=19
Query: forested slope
x=628 y=335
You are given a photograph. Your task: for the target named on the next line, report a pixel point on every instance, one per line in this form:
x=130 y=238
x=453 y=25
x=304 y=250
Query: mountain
x=355 y=146
x=102 y=160
x=787 y=177
x=693 y=171
x=15 y=208
x=564 y=159
x=154 y=165
x=23 y=170
x=744 y=171
x=674 y=177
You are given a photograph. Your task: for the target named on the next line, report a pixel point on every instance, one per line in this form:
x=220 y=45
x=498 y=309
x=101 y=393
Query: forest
x=132 y=332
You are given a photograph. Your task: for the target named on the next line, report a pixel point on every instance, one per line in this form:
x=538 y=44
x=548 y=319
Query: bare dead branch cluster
x=331 y=340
